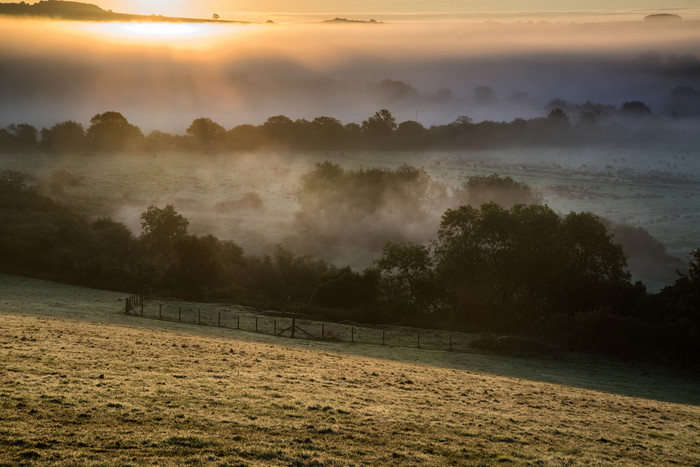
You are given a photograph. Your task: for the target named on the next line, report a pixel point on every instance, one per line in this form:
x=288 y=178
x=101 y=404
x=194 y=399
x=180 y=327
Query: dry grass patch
x=82 y=392
x=81 y=383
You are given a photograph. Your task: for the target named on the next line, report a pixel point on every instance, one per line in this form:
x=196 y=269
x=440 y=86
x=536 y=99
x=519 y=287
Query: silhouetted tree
x=162 y=141
x=244 y=137
x=480 y=189
x=327 y=133
x=408 y=281
x=68 y=136
x=635 y=109
x=411 y=135
x=367 y=207
x=205 y=133
x=18 y=137
x=279 y=130
x=379 y=128
x=161 y=227
x=110 y=131
x=504 y=268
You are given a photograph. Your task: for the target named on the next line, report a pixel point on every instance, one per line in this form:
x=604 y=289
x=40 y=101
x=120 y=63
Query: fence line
x=297 y=328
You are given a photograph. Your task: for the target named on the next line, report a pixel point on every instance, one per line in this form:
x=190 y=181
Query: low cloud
x=244 y=74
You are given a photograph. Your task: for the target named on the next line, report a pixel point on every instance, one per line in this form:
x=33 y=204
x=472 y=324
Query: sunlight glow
x=179 y=35
x=161 y=29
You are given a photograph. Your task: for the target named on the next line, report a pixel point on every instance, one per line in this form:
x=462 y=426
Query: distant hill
x=662 y=17
x=77 y=11
x=351 y=21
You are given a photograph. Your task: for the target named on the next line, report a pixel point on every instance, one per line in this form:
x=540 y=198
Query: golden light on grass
x=82 y=383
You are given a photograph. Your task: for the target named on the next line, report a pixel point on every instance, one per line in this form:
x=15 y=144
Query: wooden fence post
x=383 y=336
x=294 y=326
x=323 y=331
x=274 y=326
x=141 y=308
x=419 y=339
x=256 y=324
x=199 y=316
x=179 y=314
x=160 y=311
x=352 y=334
x=450 y=342
x=218 y=322
x=238 y=322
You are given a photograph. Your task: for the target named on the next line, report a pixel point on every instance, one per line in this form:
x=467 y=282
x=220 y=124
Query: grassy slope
x=80 y=382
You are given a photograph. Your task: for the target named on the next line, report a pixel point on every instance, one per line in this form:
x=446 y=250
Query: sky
x=256 y=10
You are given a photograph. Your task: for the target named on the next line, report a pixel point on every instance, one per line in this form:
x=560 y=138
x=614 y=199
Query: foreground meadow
x=81 y=383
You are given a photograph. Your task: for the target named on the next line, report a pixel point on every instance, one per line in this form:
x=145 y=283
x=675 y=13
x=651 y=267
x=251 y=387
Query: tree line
x=110 y=131
x=520 y=270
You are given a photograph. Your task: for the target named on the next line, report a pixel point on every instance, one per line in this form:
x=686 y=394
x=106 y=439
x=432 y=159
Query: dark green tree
x=503 y=269
x=408 y=280
x=161 y=227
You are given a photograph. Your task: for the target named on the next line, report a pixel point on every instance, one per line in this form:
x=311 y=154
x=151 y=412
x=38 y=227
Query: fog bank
x=162 y=79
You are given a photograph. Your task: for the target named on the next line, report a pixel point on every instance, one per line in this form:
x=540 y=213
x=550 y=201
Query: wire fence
x=297 y=328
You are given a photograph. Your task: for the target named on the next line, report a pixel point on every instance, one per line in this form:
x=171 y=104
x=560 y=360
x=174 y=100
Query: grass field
x=82 y=383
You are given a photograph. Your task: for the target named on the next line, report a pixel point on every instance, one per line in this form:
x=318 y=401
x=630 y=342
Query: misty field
x=251 y=198
x=82 y=383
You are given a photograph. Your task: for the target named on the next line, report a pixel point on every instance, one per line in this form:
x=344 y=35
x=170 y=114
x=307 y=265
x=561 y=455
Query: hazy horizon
x=412 y=10
x=164 y=77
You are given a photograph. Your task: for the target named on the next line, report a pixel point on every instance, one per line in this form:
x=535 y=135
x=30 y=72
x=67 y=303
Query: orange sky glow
x=407 y=10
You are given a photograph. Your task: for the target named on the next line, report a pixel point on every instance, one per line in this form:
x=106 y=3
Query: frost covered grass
x=81 y=383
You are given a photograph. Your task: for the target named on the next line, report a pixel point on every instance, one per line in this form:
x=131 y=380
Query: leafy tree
x=343 y=288
x=110 y=131
x=365 y=208
x=205 y=133
x=408 y=277
x=379 y=127
x=162 y=141
x=279 y=130
x=244 y=137
x=327 y=133
x=68 y=136
x=505 y=191
x=161 y=227
x=411 y=135
x=503 y=269
x=197 y=265
x=18 y=137
x=590 y=251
